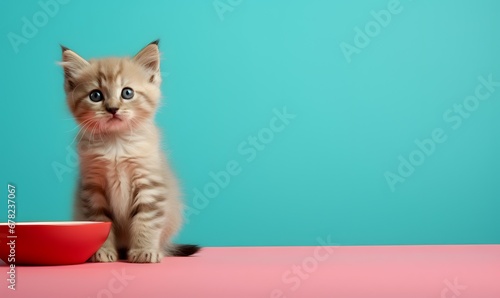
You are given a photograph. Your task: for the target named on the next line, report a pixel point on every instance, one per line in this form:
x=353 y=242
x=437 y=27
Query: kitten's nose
x=112 y=110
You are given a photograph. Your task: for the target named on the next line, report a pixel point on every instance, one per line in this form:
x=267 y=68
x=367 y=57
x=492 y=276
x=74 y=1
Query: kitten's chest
x=121 y=163
x=116 y=164
x=119 y=175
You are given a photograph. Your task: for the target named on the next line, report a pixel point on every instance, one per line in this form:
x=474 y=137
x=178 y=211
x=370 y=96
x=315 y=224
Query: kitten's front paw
x=104 y=255
x=144 y=256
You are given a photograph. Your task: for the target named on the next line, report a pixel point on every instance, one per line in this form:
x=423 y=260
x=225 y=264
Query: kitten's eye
x=96 y=96
x=127 y=93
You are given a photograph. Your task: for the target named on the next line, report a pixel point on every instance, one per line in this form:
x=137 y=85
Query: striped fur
x=124 y=176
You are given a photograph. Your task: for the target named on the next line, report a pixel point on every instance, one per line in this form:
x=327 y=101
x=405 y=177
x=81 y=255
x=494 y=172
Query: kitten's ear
x=149 y=57
x=72 y=65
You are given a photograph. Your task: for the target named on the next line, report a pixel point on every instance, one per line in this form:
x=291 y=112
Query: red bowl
x=51 y=243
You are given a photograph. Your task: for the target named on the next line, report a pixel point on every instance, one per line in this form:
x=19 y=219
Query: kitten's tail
x=183 y=250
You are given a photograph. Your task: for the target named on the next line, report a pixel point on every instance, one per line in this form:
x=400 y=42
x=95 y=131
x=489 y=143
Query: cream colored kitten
x=124 y=176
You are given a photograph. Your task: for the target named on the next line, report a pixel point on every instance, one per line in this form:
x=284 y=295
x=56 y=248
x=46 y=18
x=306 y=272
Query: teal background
x=324 y=173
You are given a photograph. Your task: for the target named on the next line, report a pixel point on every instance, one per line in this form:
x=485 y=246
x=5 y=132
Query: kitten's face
x=112 y=94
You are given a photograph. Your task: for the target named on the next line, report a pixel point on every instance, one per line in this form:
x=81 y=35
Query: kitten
x=124 y=176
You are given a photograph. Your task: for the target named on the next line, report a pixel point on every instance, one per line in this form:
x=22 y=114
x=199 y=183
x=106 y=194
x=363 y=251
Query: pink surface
x=370 y=271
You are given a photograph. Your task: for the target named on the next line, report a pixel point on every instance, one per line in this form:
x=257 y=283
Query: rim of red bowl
x=53 y=223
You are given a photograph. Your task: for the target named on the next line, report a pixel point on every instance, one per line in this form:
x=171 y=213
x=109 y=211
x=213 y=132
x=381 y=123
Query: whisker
x=92 y=134
x=80 y=133
x=85 y=123
x=78 y=125
x=139 y=123
x=100 y=131
x=131 y=132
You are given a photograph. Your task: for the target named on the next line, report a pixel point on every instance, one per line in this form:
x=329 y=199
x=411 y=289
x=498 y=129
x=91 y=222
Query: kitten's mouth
x=115 y=123
x=115 y=118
